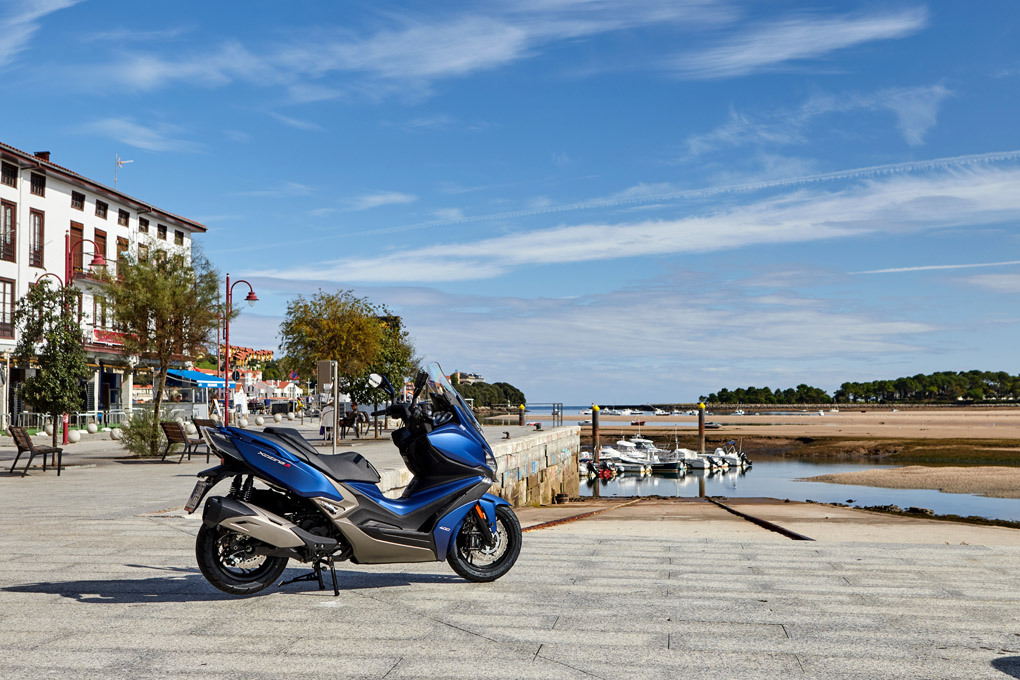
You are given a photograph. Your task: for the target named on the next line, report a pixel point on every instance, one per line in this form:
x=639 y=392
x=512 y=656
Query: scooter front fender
x=450 y=524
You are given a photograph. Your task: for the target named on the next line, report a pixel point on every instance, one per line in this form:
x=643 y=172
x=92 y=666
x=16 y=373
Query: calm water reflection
x=775 y=479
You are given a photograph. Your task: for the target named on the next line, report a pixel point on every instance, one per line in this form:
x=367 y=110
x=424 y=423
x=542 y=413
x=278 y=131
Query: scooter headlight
x=490 y=460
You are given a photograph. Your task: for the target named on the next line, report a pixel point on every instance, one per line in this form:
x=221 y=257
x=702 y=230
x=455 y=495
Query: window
x=100 y=240
x=101 y=209
x=77 y=247
x=8 y=231
x=9 y=175
x=36 y=238
x=77 y=200
x=143 y=252
x=123 y=217
x=143 y=225
x=6 y=308
x=179 y=237
x=161 y=231
x=98 y=313
x=38 y=184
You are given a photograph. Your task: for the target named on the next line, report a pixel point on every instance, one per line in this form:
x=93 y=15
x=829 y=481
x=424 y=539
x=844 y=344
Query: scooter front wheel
x=475 y=561
x=229 y=561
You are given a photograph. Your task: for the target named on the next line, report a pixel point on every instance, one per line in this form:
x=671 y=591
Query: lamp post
x=98 y=260
x=251 y=299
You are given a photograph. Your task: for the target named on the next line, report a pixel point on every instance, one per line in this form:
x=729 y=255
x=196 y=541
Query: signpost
x=327 y=372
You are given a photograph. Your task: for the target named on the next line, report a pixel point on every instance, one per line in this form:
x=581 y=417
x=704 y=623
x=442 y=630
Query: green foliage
x=495 y=394
x=142 y=435
x=943 y=386
x=271 y=370
x=361 y=336
x=167 y=308
x=803 y=394
x=50 y=333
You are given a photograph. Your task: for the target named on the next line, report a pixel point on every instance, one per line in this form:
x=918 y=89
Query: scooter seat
x=348 y=466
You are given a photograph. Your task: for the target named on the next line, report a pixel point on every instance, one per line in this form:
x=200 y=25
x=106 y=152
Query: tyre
x=228 y=561
x=473 y=560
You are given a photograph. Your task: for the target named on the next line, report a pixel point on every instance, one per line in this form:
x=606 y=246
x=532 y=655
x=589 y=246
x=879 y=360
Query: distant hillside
x=485 y=394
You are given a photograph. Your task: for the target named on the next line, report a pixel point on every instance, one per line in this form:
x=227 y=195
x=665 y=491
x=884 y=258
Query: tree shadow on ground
x=188 y=585
x=1010 y=665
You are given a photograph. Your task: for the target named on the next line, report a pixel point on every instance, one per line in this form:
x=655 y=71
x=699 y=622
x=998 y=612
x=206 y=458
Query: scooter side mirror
x=376 y=380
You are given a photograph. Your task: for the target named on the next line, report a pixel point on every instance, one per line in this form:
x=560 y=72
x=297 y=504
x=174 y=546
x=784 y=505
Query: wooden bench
x=24 y=443
x=176 y=434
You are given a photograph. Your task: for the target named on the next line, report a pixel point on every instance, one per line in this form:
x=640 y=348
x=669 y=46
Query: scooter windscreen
x=439 y=390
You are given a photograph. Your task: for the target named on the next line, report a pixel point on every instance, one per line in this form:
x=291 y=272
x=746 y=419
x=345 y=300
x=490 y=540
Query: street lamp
x=251 y=299
x=98 y=260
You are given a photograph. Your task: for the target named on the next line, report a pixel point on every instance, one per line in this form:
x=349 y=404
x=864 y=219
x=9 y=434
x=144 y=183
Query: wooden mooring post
x=701 y=445
x=595 y=443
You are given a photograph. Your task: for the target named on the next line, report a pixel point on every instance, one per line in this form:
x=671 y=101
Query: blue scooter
x=288 y=501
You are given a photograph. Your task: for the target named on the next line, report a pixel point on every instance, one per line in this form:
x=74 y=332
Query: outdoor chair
x=176 y=434
x=24 y=443
x=352 y=421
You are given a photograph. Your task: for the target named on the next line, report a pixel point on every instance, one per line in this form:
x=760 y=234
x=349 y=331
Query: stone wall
x=531 y=468
x=534 y=467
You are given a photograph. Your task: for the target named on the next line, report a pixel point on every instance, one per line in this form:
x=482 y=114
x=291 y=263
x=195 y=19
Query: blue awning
x=196 y=379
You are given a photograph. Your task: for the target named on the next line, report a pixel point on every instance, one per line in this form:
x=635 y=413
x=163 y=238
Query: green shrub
x=142 y=435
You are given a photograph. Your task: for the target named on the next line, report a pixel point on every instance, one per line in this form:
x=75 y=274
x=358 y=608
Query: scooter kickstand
x=332 y=571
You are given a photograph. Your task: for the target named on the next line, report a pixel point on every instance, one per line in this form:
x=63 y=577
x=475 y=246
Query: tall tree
x=342 y=327
x=167 y=307
x=50 y=334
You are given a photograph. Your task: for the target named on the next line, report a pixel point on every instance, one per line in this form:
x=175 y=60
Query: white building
x=53 y=220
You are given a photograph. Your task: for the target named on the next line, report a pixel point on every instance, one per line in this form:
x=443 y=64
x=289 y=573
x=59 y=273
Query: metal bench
x=24 y=443
x=176 y=434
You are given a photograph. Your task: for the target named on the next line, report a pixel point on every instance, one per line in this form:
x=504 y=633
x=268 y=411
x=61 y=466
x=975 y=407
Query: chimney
x=43 y=155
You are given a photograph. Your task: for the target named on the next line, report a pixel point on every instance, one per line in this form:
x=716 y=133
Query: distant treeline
x=940 y=386
x=485 y=394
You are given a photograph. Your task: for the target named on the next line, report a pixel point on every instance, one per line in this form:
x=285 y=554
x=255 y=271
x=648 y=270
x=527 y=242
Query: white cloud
x=379 y=199
x=936 y=267
x=773 y=45
x=452 y=214
x=665 y=335
x=158 y=137
x=897 y=204
x=19 y=21
x=915 y=108
x=296 y=122
x=999 y=283
x=406 y=53
x=287 y=188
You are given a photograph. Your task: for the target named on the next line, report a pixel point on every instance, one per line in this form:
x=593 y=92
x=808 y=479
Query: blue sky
x=592 y=200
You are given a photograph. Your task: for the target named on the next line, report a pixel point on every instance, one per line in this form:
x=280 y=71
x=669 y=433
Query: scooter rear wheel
x=474 y=561
x=228 y=561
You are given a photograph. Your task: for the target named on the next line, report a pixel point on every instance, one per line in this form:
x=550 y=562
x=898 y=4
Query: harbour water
x=777 y=479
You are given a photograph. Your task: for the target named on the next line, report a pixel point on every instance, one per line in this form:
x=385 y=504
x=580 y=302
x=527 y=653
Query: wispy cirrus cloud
x=287 y=188
x=937 y=267
x=19 y=21
x=405 y=52
x=775 y=45
x=999 y=283
x=915 y=108
x=381 y=198
x=155 y=137
x=296 y=123
x=900 y=204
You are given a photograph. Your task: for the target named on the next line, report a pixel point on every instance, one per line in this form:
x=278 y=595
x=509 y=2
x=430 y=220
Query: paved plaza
x=98 y=580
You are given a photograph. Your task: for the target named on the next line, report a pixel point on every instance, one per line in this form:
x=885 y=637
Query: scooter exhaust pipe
x=263 y=525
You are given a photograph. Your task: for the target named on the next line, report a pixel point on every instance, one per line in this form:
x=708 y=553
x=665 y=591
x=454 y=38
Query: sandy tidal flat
x=995 y=481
